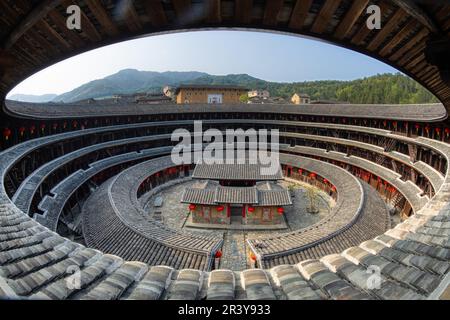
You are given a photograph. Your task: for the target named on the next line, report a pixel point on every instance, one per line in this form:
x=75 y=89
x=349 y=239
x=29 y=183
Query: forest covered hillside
x=382 y=88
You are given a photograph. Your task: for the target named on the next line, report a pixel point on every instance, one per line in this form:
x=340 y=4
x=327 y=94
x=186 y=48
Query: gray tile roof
x=247 y=195
x=416 y=112
x=198 y=196
x=235 y=171
x=274 y=198
x=209 y=86
x=239 y=195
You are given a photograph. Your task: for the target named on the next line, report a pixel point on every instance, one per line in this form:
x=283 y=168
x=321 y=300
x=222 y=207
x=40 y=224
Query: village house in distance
x=258 y=93
x=237 y=194
x=211 y=94
x=300 y=98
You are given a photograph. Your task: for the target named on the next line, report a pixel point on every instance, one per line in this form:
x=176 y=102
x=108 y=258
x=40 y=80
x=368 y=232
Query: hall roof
x=210 y=86
x=236 y=172
x=263 y=194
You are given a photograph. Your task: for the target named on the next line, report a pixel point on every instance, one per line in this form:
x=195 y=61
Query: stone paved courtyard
x=174 y=214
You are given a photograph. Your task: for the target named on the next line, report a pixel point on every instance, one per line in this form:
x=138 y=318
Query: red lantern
x=280 y=210
x=252 y=256
x=312 y=175
x=7 y=133
x=438 y=131
x=447 y=131
x=333 y=188
x=74 y=124
x=394 y=123
x=43 y=127
x=300 y=171
x=22 y=131
x=220 y=208
x=192 y=207
x=55 y=125
x=427 y=129
x=384 y=123
x=32 y=128
x=218 y=254
x=65 y=124
x=325 y=180
x=250 y=209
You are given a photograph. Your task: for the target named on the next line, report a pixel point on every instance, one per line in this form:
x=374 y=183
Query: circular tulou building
x=77 y=179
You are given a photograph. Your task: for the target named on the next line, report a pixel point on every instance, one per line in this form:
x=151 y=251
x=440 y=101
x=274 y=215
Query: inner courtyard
x=235 y=255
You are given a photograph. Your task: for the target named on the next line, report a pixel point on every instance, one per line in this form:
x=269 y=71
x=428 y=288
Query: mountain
x=33 y=98
x=382 y=88
x=128 y=81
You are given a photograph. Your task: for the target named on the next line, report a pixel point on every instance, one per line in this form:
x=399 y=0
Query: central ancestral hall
x=237 y=194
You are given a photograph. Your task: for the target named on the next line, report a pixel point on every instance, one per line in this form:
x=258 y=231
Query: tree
x=244 y=98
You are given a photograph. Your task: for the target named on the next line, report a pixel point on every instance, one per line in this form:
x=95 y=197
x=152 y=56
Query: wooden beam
x=386 y=29
x=411 y=43
x=417 y=13
x=442 y=13
x=430 y=74
x=299 y=14
x=399 y=36
x=446 y=25
x=47 y=28
x=182 y=8
x=416 y=61
x=48 y=47
x=423 y=73
x=60 y=23
x=213 y=11
x=435 y=80
x=418 y=67
x=30 y=51
x=102 y=17
x=271 y=12
x=324 y=16
x=25 y=58
x=156 y=12
x=36 y=14
x=9 y=15
x=6 y=59
x=243 y=11
x=132 y=18
x=363 y=32
x=350 y=18
x=89 y=29
x=411 y=54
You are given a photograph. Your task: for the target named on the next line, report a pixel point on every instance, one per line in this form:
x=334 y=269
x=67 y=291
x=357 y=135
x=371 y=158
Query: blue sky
x=268 y=56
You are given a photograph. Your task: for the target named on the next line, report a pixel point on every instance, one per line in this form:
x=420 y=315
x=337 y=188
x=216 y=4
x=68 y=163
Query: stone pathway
x=234 y=251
